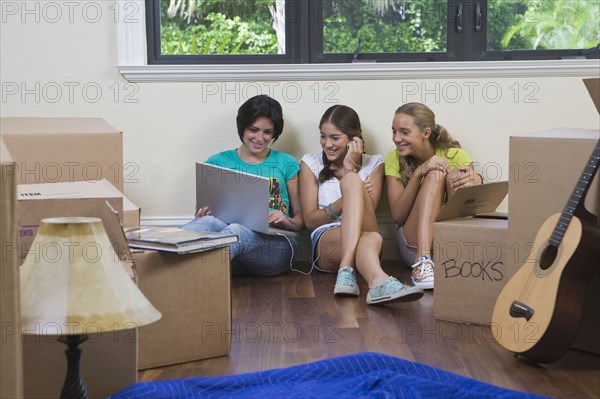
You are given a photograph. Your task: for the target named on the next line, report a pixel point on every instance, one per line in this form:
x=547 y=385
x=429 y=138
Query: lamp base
x=74 y=387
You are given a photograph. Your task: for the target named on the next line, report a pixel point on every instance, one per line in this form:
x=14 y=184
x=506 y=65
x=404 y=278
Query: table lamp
x=73 y=279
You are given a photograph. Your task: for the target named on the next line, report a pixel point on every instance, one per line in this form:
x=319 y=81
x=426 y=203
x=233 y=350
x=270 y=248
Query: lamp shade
x=72 y=282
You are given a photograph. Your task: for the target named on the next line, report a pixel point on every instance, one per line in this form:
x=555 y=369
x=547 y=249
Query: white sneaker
x=422 y=273
x=391 y=290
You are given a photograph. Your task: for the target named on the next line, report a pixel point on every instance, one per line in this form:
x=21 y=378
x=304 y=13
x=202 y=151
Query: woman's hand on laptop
x=204 y=211
x=279 y=220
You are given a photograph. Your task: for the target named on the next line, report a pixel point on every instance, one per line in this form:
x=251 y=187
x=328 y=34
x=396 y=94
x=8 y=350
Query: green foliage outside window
x=215 y=27
x=410 y=26
x=246 y=26
x=545 y=25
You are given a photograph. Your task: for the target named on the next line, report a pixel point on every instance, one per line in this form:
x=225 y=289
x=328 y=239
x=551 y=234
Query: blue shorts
x=314 y=240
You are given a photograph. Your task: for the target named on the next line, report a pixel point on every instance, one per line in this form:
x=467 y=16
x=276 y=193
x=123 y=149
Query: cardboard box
x=545 y=167
x=193 y=293
x=131 y=213
x=11 y=362
x=71 y=199
x=593 y=87
x=109 y=359
x=470 y=267
x=52 y=150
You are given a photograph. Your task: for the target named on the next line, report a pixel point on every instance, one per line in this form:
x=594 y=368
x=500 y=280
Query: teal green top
x=279 y=167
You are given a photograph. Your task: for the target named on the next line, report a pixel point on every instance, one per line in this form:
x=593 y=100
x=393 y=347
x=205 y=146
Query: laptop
x=235 y=197
x=474 y=200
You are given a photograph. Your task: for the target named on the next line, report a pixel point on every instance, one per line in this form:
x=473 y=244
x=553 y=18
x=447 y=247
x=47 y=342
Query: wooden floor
x=293 y=319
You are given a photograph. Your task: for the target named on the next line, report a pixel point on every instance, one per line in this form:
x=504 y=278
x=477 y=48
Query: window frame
x=133 y=64
x=295 y=53
x=474 y=47
x=304 y=41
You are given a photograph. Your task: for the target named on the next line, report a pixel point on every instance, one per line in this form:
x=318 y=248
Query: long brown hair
x=347 y=121
x=439 y=138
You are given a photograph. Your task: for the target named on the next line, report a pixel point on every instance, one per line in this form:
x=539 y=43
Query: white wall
x=168 y=126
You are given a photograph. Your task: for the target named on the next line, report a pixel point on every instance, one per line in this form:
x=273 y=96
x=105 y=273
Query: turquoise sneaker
x=391 y=290
x=346 y=284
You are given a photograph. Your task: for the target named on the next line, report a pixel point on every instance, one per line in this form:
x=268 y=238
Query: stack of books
x=176 y=239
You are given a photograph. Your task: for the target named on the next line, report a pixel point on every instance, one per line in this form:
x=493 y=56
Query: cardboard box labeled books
x=193 y=293
x=470 y=267
x=51 y=150
x=544 y=169
x=11 y=362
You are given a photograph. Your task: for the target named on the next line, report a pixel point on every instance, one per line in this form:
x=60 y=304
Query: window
x=347 y=31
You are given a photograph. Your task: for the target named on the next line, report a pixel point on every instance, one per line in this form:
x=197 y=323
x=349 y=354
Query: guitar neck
x=577 y=197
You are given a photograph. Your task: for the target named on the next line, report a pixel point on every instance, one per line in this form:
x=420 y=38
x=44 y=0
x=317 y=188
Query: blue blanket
x=362 y=375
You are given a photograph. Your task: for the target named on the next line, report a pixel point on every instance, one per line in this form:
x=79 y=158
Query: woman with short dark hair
x=260 y=123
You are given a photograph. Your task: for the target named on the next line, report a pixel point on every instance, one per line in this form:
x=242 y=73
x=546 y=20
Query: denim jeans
x=254 y=253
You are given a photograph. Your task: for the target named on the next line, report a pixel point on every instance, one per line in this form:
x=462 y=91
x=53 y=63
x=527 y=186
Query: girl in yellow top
x=426 y=165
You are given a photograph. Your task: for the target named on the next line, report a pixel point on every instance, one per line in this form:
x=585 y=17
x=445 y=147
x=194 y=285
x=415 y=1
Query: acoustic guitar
x=538 y=312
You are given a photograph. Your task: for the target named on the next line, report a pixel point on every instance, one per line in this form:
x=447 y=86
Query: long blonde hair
x=439 y=138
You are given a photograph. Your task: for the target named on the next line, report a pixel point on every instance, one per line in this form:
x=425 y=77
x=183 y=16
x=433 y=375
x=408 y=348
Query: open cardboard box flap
x=593 y=87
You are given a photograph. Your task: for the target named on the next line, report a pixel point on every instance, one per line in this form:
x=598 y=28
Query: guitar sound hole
x=548 y=256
